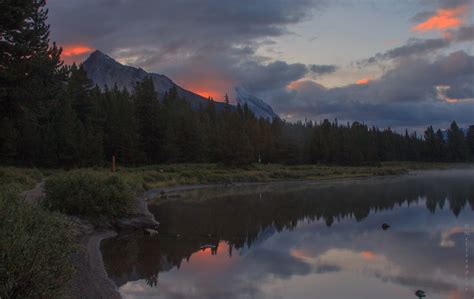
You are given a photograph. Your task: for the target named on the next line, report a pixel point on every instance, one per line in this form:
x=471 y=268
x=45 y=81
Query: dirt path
x=34 y=195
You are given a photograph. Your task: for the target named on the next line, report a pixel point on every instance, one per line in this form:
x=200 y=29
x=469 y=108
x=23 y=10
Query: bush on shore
x=35 y=249
x=95 y=196
x=22 y=178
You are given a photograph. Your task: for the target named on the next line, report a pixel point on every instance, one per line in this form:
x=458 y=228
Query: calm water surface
x=306 y=241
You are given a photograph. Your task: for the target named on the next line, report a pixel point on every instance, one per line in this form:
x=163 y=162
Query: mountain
x=105 y=71
x=257 y=105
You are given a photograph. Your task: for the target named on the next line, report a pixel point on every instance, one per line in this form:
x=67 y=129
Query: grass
x=158 y=176
x=35 y=247
x=19 y=178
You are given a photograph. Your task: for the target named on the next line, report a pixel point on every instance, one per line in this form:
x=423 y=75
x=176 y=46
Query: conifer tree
x=147 y=111
x=456 y=143
x=31 y=76
x=470 y=140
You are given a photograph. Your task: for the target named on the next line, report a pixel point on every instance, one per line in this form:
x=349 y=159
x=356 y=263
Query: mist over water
x=305 y=240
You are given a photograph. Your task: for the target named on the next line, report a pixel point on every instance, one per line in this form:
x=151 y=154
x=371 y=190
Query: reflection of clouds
x=446 y=235
x=263 y=262
x=423 y=249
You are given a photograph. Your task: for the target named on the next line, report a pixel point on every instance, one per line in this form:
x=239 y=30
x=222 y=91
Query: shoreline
x=91 y=279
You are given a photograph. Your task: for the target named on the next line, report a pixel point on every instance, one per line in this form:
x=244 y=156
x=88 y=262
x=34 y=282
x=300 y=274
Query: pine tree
x=147 y=111
x=470 y=140
x=64 y=128
x=429 y=148
x=31 y=75
x=456 y=143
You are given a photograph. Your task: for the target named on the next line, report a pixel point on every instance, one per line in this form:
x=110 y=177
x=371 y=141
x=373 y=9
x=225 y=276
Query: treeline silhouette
x=52 y=115
x=242 y=218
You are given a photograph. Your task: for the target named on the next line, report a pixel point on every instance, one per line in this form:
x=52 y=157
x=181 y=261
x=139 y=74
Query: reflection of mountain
x=246 y=219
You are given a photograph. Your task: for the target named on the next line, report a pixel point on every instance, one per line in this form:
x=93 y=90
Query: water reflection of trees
x=239 y=219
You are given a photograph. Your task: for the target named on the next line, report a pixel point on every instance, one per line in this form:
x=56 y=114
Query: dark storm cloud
x=453 y=3
x=417 y=46
x=464 y=34
x=414 y=46
x=160 y=33
x=321 y=69
x=109 y=24
x=406 y=95
x=211 y=41
x=257 y=77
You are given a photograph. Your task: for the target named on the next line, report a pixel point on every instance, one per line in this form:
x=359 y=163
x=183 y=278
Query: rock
x=150 y=232
x=420 y=294
x=80 y=226
x=137 y=223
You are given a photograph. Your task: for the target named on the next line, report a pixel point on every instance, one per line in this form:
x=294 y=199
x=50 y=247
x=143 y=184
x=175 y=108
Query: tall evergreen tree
x=470 y=140
x=456 y=143
x=31 y=75
x=147 y=111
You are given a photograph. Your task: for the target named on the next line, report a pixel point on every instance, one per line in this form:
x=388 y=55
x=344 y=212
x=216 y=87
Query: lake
x=306 y=240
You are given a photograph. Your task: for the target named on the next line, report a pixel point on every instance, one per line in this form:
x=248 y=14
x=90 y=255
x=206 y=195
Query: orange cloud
x=363 y=81
x=75 y=53
x=74 y=50
x=443 y=19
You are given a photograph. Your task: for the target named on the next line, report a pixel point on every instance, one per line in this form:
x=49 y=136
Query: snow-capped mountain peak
x=257 y=105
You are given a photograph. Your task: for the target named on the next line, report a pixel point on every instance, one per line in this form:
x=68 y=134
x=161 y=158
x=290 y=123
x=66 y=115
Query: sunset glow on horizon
x=444 y=19
x=215 y=95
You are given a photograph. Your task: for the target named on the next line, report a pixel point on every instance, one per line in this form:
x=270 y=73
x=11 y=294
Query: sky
x=397 y=63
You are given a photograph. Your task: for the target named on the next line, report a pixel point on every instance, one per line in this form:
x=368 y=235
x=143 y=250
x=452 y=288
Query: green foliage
x=35 y=250
x=94 y=195
x=19 y=178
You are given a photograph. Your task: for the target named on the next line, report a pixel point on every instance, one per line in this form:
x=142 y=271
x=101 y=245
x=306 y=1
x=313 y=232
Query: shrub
x=35 y=250
x=92 y=195
x=23 y=178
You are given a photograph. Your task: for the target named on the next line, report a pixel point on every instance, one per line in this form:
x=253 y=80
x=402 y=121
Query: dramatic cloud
x=444 y=18
x=414 y=46
x=182 y=39
x=464 y=34
x=408 y=94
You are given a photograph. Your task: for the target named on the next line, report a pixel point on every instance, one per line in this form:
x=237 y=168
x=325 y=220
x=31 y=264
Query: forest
x=51 y=115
